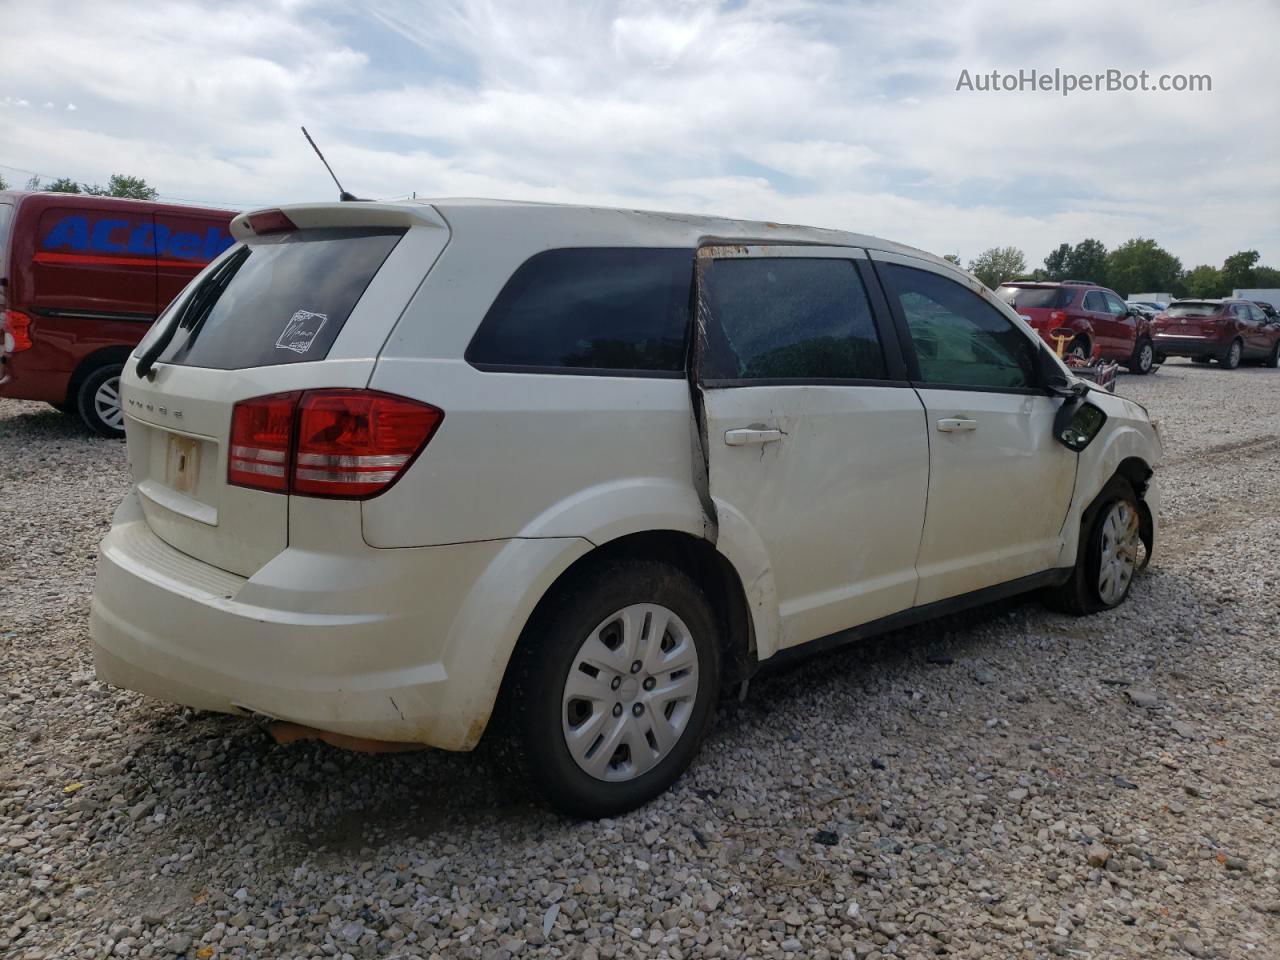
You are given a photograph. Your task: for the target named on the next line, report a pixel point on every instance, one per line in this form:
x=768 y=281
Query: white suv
x=400 y=467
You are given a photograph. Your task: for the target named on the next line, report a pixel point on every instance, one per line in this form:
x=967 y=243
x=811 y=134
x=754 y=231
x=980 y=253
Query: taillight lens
x=350 y=444
x=1058 y=316
x=16 y=329
x=261 y=439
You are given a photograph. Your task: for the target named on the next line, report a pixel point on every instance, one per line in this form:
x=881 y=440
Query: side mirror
x=1076 y=423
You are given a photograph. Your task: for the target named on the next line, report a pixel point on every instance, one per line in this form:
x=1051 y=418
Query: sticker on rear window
x=301 y=331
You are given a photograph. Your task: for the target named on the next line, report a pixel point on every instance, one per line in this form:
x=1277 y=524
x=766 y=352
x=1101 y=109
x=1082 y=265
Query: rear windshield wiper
x=194 y=310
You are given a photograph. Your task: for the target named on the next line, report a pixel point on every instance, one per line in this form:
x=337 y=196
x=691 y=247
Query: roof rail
x=1080 y=283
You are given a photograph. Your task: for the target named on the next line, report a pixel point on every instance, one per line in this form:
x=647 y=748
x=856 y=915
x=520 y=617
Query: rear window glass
x=1193 y=309
x=602 y=308
x=282 y=299
x=790 y=318
x=6 y=220
x=1052 y=298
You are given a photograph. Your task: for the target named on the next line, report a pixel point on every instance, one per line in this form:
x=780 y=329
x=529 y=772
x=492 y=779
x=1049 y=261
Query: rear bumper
x=19 y=382
x=407 y=645
x=1188 y=346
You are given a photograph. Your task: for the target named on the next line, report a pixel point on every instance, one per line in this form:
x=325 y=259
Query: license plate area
x=182 y=464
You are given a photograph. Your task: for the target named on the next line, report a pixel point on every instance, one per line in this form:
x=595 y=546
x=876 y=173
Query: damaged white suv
x=399 y=468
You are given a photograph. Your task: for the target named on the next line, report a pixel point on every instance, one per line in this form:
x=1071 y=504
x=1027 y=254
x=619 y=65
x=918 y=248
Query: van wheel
x=1231 y=359
x=1108 y=557
x=1144 y=358
x=98 y=401
x=615 y=686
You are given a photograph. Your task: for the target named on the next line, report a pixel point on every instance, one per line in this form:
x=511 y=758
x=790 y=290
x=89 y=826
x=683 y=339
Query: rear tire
x=1079 y=348
x=1235 y=352
x=608 y=713
x=1107 y=558
x=1143 y=360
x=98 y=401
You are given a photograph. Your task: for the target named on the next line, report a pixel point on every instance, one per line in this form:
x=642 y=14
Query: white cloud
x=829 y=113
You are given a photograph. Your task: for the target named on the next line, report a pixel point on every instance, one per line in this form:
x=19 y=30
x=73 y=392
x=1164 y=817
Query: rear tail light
x=1058 y=316
x=16 y=329
x=271 y=221
x=349 y=444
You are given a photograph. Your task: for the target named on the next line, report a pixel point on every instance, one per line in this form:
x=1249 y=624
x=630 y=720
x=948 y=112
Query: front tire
x=1107 y=558
x=614 y=687
x=1231 y=359
x=98 y=401
x=1143 y=360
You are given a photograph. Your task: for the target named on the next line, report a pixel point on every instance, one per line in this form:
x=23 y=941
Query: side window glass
x=1093 y=301
x=789 y=318
x=959 y=338
x=1115 y=305
x=605 y=308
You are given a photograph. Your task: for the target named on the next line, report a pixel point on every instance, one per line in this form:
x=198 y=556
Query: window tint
x=1257 y=314
x=790 y=318
x=1053 y=298
x=1115 y=305
x=1188 y=308
x=282 y=299
x=1094 y=301
x=959 y=338
x=603 y=308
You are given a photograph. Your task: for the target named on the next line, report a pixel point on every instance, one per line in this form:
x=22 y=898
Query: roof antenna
x=342 y=194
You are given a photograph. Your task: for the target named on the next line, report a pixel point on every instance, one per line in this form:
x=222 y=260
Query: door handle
x=956 y=424
x=745 y=435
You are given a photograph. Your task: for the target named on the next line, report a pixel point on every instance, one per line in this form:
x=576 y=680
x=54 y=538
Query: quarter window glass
x=790 y=318
x=1094 y=302
x=605 y=308
x=959 y=338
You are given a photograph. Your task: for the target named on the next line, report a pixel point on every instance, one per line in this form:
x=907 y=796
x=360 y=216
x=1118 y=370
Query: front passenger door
x=999 y=483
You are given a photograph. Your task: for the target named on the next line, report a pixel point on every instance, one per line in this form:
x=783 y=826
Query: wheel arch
x=99 y=358
x=697 y=558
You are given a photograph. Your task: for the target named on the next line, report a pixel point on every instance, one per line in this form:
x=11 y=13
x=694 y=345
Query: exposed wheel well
x=697 y=558
x=1138 y=473
x=90 y=363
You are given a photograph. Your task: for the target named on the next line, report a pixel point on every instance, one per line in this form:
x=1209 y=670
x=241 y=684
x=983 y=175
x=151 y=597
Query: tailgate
x=299 y=312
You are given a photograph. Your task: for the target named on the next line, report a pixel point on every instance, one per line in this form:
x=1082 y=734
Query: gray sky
x=833 y=114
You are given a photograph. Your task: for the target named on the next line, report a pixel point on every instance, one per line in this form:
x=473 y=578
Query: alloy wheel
x=106 y=403
x=630 y=692
x=1120 y=543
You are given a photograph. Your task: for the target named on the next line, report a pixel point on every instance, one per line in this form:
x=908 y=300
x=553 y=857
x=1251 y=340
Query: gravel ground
x=1010 y=783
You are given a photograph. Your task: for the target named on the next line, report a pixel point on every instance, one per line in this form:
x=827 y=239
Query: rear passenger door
x=1095 y=305
x=999 y=484
x=815 y=442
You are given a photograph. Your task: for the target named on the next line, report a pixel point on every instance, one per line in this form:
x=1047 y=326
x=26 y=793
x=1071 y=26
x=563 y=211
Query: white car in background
x=398 y=467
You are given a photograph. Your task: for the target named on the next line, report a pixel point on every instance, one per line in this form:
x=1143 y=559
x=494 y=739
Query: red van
x=81 y=279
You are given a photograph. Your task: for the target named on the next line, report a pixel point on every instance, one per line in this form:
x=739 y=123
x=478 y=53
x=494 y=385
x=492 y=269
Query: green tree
x=952 y=258
x=1203 y=281
x=1055 y=264
x=4 y=184
x=1088 y=261
x=1140 y=265
x=998 y=264
x=121 y=185
x=33 y=183
x=1238 y=270
x=63 y=185
x=1266 y=277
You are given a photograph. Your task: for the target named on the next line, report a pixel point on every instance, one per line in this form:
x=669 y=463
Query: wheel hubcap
x=1120 y=544
x=630 y=692
x=1235 y=354
x=106 y=403
x=1146 y=357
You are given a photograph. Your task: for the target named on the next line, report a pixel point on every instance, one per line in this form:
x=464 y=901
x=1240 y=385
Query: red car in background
x=81 y=280
x=1229 y=331
x=1096 y=323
